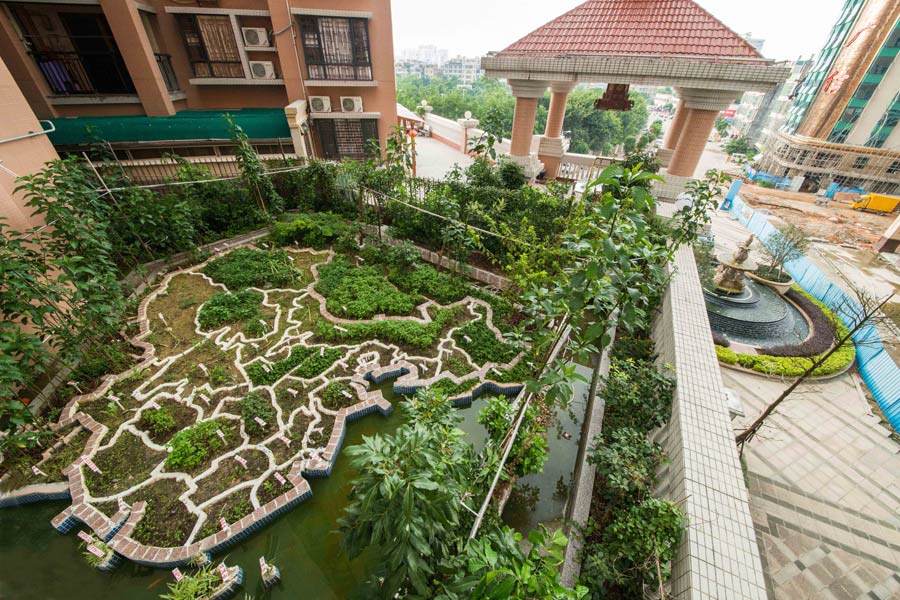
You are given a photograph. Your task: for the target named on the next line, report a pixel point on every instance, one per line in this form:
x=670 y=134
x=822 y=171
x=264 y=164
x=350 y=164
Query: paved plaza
x=824 y=482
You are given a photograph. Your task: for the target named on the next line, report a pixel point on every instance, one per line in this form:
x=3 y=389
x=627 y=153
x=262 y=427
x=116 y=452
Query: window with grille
x=860 y=162
x=211 y=47
x=347 y=138
x=336 y=47
x=894 y=168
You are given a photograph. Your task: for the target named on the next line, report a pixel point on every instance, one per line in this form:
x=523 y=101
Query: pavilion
x=622 y=42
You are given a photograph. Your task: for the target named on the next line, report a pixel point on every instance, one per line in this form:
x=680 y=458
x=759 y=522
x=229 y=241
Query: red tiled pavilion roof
x=656 y=27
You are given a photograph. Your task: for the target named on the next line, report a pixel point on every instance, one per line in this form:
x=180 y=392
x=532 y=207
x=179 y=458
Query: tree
x=788 y=242
x=740 y=145
x=409 y=495
x=722 y=125
x=253 y=172
x=410 y=500
x=865 y=310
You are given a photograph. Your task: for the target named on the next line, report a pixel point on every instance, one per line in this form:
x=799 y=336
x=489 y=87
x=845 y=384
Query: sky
x=791 y=28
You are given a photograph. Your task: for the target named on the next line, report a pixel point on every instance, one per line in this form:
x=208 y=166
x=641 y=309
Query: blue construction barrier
x=754 y=175
x=877 y=368
x=836 y=188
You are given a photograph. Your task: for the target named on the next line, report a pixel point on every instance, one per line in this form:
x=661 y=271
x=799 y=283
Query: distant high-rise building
x=758 y=114
x=842 y=127
x=426 y=53
x=467 y=70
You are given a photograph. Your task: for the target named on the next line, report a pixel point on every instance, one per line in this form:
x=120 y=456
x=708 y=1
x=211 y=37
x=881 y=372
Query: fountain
x=730 y=277
x=749 y=312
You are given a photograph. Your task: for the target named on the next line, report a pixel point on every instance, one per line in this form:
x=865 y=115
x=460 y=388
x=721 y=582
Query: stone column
x=552 y=145
x=287 y=45
x=137 y=53
x=703 y=106
x=527 y=93
x=676 y=127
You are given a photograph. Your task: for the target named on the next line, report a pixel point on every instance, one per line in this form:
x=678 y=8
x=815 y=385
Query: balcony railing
x=164 y=61
x=74 y=73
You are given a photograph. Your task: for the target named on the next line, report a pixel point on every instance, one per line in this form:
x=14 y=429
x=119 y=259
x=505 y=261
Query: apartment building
x=842 y=127
x=467 y=70
x=305 y=77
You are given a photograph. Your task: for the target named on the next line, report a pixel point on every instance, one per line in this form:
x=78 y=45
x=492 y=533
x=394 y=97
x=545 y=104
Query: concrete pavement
x=824 y=482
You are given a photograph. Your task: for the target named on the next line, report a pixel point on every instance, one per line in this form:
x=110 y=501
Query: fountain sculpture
x=730 y=274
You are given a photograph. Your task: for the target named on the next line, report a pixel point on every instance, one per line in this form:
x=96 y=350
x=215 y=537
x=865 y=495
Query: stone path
x=824 y=481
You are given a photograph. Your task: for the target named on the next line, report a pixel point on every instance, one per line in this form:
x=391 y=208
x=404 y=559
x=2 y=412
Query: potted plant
x=786 y=243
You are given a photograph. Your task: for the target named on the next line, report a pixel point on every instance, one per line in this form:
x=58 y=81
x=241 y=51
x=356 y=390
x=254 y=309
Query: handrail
x=32 y=133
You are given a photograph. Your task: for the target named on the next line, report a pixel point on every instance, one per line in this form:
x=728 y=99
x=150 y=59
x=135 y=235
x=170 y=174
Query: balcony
x=164 y=62
x=84 y=73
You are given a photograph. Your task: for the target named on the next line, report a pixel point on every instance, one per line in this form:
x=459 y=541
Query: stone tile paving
x=824 y=481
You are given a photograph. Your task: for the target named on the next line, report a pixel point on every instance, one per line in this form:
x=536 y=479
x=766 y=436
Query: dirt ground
x=836 y=223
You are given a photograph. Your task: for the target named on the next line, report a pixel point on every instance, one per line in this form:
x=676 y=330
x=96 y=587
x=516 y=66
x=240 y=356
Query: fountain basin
x=757 y=316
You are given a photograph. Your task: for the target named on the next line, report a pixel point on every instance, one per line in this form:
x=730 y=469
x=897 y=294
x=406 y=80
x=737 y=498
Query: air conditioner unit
x=319 y=104
x=351 y=104
x=255 y=37
x=262 y=69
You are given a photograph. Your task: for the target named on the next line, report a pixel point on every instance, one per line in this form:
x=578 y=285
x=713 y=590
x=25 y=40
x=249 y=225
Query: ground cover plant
x=204 y=411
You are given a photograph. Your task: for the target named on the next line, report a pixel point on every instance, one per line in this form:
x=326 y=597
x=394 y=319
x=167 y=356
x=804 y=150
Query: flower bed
x=248 y=379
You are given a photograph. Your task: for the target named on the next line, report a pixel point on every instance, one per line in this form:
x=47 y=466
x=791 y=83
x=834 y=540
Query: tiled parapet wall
x=718 y=557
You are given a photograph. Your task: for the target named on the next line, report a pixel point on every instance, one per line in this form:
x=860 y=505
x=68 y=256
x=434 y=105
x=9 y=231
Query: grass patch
x=166 y=521
x=427 y=281
x=233 y=508
x=271 y=488
x=229 y=473
x=334 y=398
x=125 y=463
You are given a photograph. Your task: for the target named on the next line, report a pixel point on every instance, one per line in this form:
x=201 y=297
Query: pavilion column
x=527 y=93
x=702 y=108
x=676 y=127
x=552 y=146
x=137 y=53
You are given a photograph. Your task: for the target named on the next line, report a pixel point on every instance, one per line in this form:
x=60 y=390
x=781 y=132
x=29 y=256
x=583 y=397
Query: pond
x=40 y=564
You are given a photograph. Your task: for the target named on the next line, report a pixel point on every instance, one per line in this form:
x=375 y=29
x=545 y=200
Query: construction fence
x=877 y=368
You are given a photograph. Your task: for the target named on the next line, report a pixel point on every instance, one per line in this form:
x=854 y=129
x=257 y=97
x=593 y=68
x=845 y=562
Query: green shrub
x=637 y=395
x=625 y=559
x=511 y=175
x=226 y=308
x=246 y=267
x=482 y=344
x=194 y=586
x=253 y=406
x=191 y=446
x=360 y=292
x=726 y=355
x=158 y=420
x=626 y=463
x=315 y=230
x=429 y=282
x=529 y=451
x=333 y=397
x=219 y=375
x=637 y=348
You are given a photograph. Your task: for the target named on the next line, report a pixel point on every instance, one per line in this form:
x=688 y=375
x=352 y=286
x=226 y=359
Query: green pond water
x=37 y=563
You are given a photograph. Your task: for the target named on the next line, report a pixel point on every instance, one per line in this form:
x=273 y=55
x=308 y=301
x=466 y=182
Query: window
x=336 y=47
x=211 y=47
x=894 y=168
x=860 y=162
x=346 y=138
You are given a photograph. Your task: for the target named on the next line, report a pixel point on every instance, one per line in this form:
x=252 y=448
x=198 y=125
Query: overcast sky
x=473 y=27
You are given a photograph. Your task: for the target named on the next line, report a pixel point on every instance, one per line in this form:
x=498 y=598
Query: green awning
x=257 y=123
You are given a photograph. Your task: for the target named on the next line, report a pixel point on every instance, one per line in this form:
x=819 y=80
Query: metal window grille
x=211 y=47
x=336 y=47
